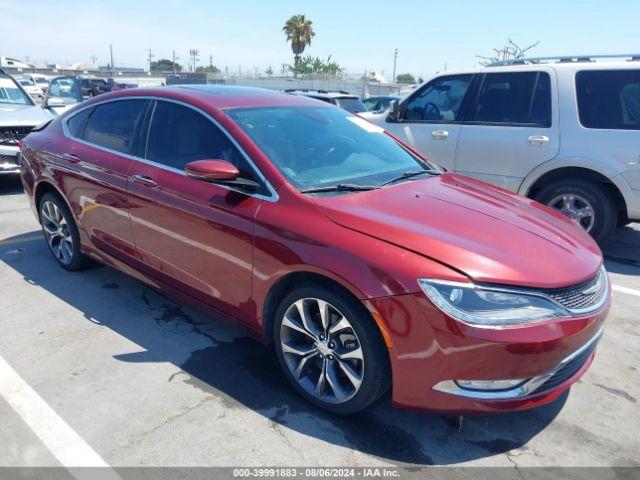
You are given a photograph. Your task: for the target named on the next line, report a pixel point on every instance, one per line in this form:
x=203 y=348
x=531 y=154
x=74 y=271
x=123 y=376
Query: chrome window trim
x=522 y=390
x=273 y=195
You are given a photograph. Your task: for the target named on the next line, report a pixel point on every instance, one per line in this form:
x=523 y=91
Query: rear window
x=609 y=99
x=113 y=125
x=515 y=98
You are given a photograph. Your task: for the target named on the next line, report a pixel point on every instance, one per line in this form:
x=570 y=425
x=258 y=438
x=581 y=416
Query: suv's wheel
x=331 y=350
x=587 y=204
x=61 y=233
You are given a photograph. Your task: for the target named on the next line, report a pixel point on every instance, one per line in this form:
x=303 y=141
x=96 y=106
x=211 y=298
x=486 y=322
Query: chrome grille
x=8 y=158
x=13 y=135
x=582 y=296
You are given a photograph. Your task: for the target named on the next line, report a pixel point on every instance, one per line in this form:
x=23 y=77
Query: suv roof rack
x=632 y=57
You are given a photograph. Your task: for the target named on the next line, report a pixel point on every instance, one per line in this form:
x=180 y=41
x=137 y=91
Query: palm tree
x=299 y=32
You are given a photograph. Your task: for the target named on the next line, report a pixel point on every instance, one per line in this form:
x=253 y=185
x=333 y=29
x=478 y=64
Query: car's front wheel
x=331 y=350
x=587 y=204
x=61 y=233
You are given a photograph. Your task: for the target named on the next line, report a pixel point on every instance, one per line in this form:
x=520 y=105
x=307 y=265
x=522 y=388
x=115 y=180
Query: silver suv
x=18 y=115
x=563 y=131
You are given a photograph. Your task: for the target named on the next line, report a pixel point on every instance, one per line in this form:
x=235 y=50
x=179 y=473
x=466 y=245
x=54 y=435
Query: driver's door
x=430 y=118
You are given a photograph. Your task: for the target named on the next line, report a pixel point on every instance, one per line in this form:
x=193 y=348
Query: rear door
x=103 y=140
x=190 y=234
x=511 y=127
x=431 y=118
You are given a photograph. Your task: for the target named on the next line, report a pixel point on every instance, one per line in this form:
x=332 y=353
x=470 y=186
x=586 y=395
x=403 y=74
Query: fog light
x=489 y=385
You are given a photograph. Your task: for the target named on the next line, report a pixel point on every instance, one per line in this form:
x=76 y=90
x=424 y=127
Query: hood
x=487 y=233
x=19 y=115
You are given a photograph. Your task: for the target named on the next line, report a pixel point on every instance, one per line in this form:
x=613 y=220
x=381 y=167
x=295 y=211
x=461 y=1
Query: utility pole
x=211 y=62
x=395 y=60
x=113 y=68
x=193 y=53
x=93 y=59
x=173 y=61
x=151 y=56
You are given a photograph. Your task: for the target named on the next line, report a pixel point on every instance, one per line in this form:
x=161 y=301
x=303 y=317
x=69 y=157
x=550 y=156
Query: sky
x=429 y=35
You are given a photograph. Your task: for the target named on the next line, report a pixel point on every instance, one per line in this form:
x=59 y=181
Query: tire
x=353 y=359
x=64 y=244
x=595 y=195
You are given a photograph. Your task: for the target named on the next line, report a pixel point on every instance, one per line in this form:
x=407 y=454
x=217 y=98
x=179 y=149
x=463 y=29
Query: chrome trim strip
x=273 y=197
x=526 y=388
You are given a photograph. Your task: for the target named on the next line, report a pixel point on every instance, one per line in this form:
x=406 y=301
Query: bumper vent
x=567 y=370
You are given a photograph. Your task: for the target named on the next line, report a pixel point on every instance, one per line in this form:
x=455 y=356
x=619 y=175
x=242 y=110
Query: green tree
x=208 y=69
x=299 y=32
x=165 y=65
x=309 y=65
x=405 y=78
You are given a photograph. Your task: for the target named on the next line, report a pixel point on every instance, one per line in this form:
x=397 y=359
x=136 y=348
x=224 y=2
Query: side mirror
x=394 y=112
x=212 y=170
x=221 y=172
x=54 y=102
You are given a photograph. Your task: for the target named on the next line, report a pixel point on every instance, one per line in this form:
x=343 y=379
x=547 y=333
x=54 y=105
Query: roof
x=219 y=96
x=321 y=93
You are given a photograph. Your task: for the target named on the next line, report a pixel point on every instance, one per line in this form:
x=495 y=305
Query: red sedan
x=368 y=266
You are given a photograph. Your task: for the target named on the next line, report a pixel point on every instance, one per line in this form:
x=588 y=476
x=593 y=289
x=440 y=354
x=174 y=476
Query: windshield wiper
x=342 y=187
x=409 y=174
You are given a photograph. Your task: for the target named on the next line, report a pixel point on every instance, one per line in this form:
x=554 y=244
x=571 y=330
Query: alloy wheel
x=56 y=230
x=322 y=350
x=575 y=207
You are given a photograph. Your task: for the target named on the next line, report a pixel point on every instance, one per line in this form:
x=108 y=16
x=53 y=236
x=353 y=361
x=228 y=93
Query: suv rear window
x=609 y=99
x=520 y=98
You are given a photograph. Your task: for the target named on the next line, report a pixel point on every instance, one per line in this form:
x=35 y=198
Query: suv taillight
x=20 y=144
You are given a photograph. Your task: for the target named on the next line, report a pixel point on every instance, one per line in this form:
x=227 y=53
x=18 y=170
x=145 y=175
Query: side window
x=515 y=98
x=179 y=135
x=113 y=125
x=77 y=122
x=439 y=100
x=609 y=99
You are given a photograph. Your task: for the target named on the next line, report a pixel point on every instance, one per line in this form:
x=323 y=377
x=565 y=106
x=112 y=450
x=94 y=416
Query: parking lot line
x=630 y=291
x=61 y=440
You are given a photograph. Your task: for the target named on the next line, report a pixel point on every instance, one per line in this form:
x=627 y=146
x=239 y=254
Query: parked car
x=565 y=133
x=40 y=80
x=64 y=93
x=32 y=89
x=342 y=99
x=379 y=103
x=114 y=85
x=18 y=115
x=368 y=266
x=92 y=87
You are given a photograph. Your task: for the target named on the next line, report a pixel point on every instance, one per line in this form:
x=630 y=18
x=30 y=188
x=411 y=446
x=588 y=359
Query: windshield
x=10 y=93
x=322 y=146
x=351 y=104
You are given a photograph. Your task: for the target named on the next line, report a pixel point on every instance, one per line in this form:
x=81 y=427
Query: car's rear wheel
x=587 y=204
x=331 y=350
x=61 y=233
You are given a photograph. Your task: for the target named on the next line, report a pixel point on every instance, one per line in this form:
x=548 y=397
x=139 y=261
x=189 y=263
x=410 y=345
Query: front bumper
x=429 y=350
x=9 y=160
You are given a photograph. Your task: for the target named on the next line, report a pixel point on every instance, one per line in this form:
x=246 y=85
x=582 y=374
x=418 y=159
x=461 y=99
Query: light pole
x=193 y=53
x=395 y=59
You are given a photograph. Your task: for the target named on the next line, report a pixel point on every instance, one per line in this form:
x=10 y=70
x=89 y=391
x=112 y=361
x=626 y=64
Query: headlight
x=487 y=306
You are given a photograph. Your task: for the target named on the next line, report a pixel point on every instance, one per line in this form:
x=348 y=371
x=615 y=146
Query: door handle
x=71 y=157
x=538 y=140
x=144 y=180
x=440 y=134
